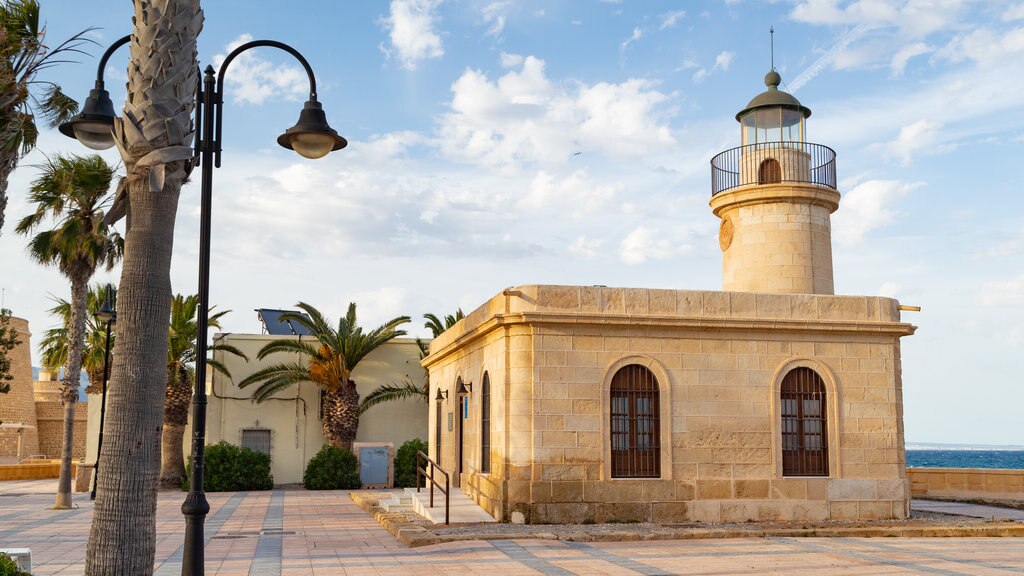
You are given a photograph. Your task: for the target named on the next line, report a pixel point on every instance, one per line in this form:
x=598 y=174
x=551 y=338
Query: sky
x=498 y=143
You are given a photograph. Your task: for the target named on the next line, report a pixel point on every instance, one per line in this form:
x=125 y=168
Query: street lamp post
x=311 y=137
x=108 y=315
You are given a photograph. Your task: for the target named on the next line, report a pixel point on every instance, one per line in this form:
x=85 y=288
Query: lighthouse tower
x=774 y=195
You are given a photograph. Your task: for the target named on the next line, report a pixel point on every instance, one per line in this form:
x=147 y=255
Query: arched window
x=635 y=430
x=804 y=424
x=485 y=425
x=769 y=172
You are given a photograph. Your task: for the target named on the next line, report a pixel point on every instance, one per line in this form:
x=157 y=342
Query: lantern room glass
x=773 y=125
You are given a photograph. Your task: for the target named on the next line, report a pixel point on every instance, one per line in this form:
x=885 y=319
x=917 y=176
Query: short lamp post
x=106 y=315
x=311 y=137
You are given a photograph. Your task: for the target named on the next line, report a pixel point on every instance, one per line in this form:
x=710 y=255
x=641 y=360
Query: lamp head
x=442 y=395
x=106 y=313
x=312 y=137
x=93 y=125
x=464 y=389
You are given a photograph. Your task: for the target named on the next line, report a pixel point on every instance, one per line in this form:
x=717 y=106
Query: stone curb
x=414 y=536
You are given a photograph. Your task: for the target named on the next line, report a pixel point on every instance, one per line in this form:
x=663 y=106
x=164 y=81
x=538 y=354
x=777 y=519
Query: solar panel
x=273 y=324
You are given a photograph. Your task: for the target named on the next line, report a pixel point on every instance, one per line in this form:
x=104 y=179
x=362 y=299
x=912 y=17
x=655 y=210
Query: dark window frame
x=769 y=171
x=803 y=419
x=635 y=423
x=485 y=425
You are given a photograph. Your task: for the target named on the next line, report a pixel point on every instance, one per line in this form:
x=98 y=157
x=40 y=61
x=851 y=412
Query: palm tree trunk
x=6 y=167
x=341 y=416
x=157 y=119
x=176 y=404
x=72 y=376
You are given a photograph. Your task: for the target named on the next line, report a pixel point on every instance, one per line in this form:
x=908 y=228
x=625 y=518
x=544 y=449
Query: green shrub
x=332 y=469
x=9 y=568
x=405 y=463
x=230 y=468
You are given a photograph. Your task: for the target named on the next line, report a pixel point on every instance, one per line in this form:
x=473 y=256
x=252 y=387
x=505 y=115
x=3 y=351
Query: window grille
x=635 y=430
x=437 y=432
x=257 y=439
x=485 y=425
x=804 y=424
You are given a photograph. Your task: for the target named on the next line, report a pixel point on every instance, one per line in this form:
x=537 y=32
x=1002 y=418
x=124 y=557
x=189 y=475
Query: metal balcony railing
x=773 y=162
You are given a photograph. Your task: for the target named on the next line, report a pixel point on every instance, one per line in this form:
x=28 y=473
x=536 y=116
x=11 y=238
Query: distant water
x=966 y=458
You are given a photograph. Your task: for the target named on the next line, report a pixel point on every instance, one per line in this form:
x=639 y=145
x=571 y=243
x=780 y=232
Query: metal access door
x=373 y=465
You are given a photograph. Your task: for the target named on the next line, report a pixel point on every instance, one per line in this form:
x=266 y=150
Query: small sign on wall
x=465 y=410
x=451 y=421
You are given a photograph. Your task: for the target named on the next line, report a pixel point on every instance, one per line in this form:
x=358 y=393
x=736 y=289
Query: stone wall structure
x=18 y=405
x=550 y=352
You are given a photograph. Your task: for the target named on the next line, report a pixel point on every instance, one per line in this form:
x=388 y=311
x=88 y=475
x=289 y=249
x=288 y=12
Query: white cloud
x=523 y=117
x=586 y=248
x=828 y=57
x=890 y=289
x=914 y=18
x=253 y=79
x=1004 y=292
x=1015 y=12
x=669 y=19
x=700 y=75
x=644 y=243
x=867 y=207
x=905 y=54
x=494 y=16
x=511 y=60
x=637 y=34
x=985 y=46
x=576 y=194
x=722 y=61
x=412 y=34
x=920 y=135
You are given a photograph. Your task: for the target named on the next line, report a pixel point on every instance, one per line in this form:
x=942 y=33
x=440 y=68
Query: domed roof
x=774 y=98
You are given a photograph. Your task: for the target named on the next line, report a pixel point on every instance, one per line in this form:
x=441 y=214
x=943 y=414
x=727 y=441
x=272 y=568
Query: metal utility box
x=376 y=463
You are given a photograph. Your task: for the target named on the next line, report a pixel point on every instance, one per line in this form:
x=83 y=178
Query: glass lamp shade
x=94 y=135
x=311 y=145
x=105 y=314
x=312 y=136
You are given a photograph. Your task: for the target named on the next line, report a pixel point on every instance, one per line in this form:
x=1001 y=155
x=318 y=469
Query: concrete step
x=462 y=509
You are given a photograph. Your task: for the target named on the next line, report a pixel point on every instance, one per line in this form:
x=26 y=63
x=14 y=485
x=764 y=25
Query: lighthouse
x=774 y=195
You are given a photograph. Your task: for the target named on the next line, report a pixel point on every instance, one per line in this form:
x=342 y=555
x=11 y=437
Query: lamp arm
x=218 y=97
x=106 y=56
x=274 y=44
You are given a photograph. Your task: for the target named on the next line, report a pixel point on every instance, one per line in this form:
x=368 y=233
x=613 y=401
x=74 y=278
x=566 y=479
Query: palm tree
x=407 y=388
x=181 y=374
x=71 y=191
x=154 y=135
x=23 y=54
x=8 y=341
x=437 y=326
x=328 y=363
x=54 y=346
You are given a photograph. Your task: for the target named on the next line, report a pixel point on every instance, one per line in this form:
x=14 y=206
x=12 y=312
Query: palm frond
x=392 y=392
x=57 y=107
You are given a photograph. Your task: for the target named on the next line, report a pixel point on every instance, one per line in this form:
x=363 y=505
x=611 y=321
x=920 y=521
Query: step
x=462 y=510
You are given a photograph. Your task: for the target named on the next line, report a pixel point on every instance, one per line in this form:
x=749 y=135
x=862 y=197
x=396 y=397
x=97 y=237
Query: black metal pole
x=196 y=507
x=103 y=408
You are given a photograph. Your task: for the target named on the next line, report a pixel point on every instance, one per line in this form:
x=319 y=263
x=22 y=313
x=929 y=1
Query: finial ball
x=772 y=79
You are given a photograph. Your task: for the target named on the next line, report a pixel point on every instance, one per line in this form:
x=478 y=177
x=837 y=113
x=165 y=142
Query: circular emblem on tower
x=725 y=233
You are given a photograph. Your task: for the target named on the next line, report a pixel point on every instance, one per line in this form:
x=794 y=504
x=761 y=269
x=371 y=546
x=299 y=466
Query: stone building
x=36 y=407
x=771 y=400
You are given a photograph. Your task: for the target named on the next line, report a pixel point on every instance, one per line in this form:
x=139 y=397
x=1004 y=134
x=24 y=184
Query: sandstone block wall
x=18 y=404
x=719 y=358
x=50 y=416
x=781 y=238
x=997 y=484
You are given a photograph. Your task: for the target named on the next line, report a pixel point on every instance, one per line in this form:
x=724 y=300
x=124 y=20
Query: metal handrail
x=817 y=165
x=421 y=471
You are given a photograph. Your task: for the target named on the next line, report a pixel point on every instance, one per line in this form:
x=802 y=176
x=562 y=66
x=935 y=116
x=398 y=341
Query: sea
x=966 y=458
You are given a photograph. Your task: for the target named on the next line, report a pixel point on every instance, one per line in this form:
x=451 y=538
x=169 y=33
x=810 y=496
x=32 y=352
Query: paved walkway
x=964 y=509
x=292 y=533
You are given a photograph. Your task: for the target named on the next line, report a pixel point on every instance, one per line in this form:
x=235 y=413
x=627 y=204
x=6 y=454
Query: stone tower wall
x=19 y=405
x=776 y=238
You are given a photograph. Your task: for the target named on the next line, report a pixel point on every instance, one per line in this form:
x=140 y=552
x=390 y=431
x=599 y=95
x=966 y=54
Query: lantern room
x=774 y=116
